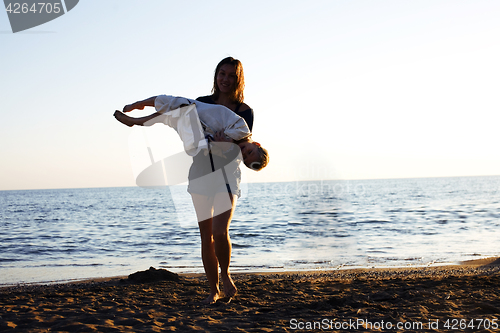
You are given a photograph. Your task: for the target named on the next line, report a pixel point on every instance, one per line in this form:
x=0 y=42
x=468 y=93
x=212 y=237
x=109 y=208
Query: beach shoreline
x=266 y=301
x=475 y=262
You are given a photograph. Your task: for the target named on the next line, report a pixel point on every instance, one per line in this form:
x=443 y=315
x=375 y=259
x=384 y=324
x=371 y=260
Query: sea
x=61 y=235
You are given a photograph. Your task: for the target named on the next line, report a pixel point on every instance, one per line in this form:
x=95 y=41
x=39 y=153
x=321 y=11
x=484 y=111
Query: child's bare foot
x=229 y=287
x=123 y=118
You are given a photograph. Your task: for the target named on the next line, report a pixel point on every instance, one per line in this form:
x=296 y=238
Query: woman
x=214 y=178
x=228 y=89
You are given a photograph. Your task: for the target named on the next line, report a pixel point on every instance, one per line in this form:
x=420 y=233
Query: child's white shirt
x=193 y=120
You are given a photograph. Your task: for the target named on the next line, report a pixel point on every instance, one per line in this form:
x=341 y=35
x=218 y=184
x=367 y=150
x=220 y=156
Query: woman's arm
x=221 y=144
x=140 y=105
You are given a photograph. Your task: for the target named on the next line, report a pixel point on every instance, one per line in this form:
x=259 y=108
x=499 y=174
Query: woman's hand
x=220 y=136
x=222 y=144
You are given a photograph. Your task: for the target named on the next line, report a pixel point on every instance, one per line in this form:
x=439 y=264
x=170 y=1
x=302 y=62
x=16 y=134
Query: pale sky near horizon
x=340 y=89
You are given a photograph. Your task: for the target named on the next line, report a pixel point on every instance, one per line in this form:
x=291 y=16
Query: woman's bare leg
x=204 y=207
x=222 y=241
x=209 y=258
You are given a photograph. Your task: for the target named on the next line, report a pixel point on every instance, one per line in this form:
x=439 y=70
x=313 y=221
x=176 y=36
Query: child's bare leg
x=124 y=119
x=142 y=121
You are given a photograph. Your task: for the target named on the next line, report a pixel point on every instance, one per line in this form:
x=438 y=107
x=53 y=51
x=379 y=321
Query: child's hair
x=263 y=159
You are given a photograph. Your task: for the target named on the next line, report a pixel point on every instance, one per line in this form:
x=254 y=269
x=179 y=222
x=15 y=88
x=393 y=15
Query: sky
x=345 y=89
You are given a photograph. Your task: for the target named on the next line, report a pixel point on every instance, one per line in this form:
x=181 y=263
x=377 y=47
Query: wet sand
x=462 y=298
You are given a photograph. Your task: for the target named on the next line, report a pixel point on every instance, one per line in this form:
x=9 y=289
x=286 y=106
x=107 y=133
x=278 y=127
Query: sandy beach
x=448 y=298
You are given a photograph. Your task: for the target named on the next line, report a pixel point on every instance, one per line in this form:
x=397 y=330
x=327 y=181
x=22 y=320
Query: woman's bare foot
x=212 y=298
x=229 y=287
x=124 y=119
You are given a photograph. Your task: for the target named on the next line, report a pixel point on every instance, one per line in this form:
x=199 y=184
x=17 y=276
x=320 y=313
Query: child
x=198 y=124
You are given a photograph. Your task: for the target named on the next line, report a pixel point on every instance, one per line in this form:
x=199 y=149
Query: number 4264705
x=36 y=8
x=460 y=324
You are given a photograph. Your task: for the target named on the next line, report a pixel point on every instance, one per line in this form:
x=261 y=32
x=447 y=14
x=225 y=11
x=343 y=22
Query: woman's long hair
x=240 y=79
